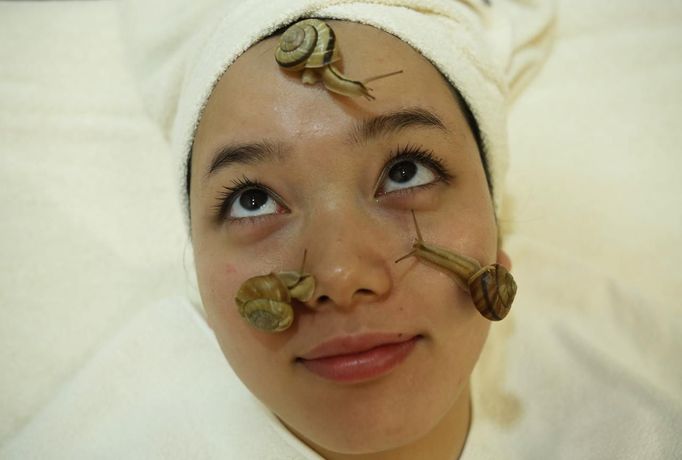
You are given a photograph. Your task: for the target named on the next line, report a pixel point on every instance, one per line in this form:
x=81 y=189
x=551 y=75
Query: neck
x=444 y=442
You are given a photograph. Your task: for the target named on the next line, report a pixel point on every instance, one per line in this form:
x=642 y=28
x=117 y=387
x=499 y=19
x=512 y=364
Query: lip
x=358 y=358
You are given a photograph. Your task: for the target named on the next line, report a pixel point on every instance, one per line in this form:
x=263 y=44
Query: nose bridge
x=349 y=255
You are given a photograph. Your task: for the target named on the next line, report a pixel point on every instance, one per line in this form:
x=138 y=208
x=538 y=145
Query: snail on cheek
x=492 y=288
x=265 y=301
x=309 y=46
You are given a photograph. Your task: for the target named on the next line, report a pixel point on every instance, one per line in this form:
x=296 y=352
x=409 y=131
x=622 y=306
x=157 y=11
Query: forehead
x=256 y=99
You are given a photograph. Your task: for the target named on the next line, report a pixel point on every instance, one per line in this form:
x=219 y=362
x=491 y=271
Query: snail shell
x=309 y=43
x=264 y=301
x=492 y=289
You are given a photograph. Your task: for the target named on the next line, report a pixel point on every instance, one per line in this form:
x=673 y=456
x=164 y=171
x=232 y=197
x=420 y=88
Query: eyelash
x=230 y=194
x=402 y=153
x=418 y=155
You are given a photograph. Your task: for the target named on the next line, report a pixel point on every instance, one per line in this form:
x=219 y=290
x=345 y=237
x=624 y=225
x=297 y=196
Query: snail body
x=492 y=287
x=337 y=83
x=265 y=301
x=310 y=46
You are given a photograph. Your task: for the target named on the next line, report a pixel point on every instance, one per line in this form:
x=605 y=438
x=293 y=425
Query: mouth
x=352 y=359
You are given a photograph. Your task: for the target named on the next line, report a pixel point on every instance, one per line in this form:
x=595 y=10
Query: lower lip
x=358 y=367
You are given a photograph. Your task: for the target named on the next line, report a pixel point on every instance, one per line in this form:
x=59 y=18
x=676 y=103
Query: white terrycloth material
x=483 y=50
x=91 y=235
x=561 y=380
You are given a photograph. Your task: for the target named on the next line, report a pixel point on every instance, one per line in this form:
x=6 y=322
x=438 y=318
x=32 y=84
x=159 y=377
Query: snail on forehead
x=310 y=46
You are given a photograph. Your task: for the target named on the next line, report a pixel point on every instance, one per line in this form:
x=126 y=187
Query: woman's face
x=337 y=177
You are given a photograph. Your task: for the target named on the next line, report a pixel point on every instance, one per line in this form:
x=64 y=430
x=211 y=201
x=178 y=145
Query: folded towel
x=486 y=51
x=608 y=53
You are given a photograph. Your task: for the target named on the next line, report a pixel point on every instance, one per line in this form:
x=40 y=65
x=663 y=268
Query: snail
x=265 y=301
x=310 y=46
x=492 y=287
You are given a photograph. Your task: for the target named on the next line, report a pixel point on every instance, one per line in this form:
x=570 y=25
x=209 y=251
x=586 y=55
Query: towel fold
x=488 y=52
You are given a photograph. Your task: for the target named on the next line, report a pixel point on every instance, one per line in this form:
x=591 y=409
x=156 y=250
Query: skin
x=353 y=230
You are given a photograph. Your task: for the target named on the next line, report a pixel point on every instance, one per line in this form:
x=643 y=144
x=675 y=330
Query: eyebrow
x=246 y=153
x=362 y=131
x=393 y=122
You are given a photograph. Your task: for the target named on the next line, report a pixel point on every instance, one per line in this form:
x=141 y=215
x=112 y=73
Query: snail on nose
x=310 y=46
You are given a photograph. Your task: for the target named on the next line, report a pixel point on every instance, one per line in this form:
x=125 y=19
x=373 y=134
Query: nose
x=349 y=262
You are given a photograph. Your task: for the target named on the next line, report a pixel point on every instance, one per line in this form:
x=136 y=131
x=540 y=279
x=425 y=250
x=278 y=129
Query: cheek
x=218 y=284
x=464 y=342
x=472 y=234
x=219 y=279
x=447 y=310
x=458 y=334
x=473 y=230
x=252 y=354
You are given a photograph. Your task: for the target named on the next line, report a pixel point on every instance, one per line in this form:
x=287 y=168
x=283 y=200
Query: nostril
x=326 y=299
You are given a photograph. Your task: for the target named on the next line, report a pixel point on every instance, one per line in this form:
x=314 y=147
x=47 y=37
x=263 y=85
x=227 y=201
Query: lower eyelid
x=279 y=209
x=410 y=190
x=250 y=220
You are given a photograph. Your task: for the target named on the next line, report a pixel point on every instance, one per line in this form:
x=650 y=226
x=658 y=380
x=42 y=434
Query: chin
x=365 y=438
x=366 y=426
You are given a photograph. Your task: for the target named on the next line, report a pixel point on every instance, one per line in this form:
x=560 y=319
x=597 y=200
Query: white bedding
x=92 y=229
x=549 y=385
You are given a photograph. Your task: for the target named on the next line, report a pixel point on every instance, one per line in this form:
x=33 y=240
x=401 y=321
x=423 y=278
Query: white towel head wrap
x=471 y=42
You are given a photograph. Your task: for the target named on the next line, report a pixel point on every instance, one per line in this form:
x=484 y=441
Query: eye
x=406 y=174
x=248 y=199
x=252 y=202
x=411 y=167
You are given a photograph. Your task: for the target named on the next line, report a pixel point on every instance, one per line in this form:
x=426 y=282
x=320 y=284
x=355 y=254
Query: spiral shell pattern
x=492 y=289
x=272 y=313
x=268 y=315
x=309 y=43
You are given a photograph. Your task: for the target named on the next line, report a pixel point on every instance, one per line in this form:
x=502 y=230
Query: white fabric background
x=92 y=230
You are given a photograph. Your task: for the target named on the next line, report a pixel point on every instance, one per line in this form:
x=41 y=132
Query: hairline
x=457 y=96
